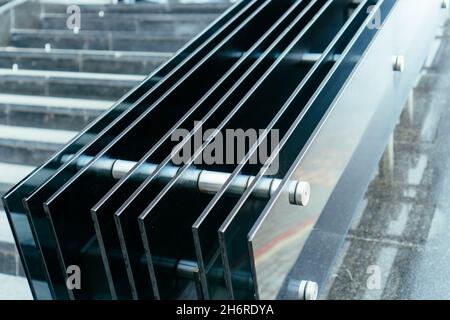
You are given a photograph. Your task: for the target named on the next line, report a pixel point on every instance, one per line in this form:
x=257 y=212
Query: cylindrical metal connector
x=399 y=63
x=299 y=193
x=186 y=269
x=205 y=181
x=302 y=290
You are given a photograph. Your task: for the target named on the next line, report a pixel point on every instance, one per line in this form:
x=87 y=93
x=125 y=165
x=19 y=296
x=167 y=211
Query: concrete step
x=66 y=84
x=10 y=174
x=49 y=112
x=119 y=62
x=95 y=40
x=5 y=231
x=9 y=257
x=14 y=288
x=30 y=146
x=148 y=8
x=167 y=25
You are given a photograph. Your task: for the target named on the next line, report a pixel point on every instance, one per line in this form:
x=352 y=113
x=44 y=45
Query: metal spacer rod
x=204 y=180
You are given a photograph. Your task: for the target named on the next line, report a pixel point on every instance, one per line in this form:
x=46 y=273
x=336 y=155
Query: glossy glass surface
x=201 y=110
x=159 y=118
x=210 y=220
x=158 y=215
x=236 y=227
x=295 y=226
x=13 y=199
x=149 y=230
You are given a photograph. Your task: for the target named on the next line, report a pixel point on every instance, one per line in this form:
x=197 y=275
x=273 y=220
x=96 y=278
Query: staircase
x=54 y=81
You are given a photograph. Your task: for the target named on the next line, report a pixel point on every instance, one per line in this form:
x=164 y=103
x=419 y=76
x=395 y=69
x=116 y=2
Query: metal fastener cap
x=300 y=193
x=311 y=290
x=399 y=63
x=302 y=290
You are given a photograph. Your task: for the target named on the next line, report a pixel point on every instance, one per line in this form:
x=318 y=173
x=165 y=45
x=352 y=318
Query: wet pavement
x=399 y=243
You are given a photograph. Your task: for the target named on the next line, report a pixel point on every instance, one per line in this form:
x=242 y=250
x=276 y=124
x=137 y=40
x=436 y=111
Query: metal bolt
x=300 y=193
x=310 y=289
x=302 y=290
x=206 y=181
x=399 y=63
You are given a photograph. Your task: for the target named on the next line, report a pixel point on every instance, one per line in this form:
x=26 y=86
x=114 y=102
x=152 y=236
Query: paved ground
x=399 y=244
x=13 y=285
x=14 y=288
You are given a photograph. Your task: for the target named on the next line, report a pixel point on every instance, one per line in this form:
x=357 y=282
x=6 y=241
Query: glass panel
x=103 y=211
x=234 y=230
x=205 y=228
x=158 y=118
x=157 y=219
x=135 y=206
x=34 y=268
x=13 y=199
x=295 y=224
